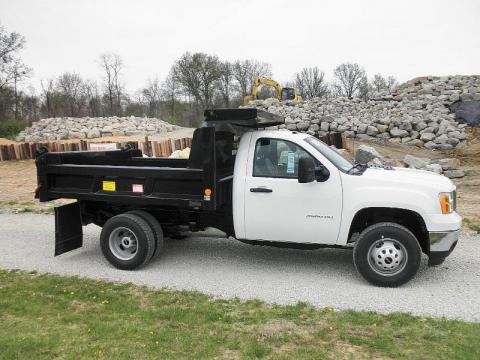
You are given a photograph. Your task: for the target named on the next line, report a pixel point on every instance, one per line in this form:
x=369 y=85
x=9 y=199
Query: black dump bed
x=203 y=181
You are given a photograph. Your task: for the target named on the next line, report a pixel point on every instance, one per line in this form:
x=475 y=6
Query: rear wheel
x=127 y=241
x=156 y=228
x=387 y=254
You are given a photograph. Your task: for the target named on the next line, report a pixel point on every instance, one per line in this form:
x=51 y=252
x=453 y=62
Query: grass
x=472 y=225
x=47 y=316
x=9 y=129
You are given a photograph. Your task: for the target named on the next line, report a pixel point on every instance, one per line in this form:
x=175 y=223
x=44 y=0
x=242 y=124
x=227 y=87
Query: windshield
x=335 y=158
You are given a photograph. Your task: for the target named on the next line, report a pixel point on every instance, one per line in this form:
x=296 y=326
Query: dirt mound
x=470 y=154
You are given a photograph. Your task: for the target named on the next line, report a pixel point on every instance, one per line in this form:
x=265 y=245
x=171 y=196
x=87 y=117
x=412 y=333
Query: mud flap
x=68 y=228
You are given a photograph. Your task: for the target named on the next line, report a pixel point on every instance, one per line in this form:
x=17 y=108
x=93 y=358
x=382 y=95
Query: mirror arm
x=321 y=174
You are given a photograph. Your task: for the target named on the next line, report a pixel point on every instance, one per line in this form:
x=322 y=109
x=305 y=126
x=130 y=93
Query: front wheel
x=387 y=254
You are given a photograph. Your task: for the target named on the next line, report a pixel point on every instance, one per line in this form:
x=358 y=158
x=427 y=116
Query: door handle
x=261 y=190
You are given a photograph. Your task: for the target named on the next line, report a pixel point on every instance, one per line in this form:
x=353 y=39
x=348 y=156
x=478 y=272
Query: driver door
x=278 y=207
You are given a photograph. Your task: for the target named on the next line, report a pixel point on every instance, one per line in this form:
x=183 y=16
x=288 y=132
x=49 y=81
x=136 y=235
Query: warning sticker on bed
x=290 y=162
x=108 y=185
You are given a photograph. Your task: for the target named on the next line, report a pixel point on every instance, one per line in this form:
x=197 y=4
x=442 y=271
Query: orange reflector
x=207 y=192
x=444 y=203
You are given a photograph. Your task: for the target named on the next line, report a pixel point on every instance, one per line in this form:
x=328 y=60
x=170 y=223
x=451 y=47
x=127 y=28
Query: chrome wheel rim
x=123 y=243
x=387 y=257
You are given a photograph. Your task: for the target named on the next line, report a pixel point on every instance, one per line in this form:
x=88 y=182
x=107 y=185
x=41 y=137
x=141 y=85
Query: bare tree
x=226 y=83
x=48 y=89
x=12 y=72
x=29 y=105
x=93 y=98
x=245 y=72
x=197 y=73
x=19 y=72
x=170 y=91
x=379 y=83
x=112 y=66
x=311 y=83
x=391 y=83
x=365 y=89
x=10 y=45
x=348 y=79
x=72 y=88
x=152 y=96
x=382 y=84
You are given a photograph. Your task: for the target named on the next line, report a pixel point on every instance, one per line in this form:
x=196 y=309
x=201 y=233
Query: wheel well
x=408 y=218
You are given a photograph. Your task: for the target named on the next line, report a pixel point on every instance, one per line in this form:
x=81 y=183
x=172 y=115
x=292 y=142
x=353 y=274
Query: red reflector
x=38 y=188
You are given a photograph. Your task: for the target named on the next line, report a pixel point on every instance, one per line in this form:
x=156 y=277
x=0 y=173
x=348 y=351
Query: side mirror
x=322 y=173
x=306 y=170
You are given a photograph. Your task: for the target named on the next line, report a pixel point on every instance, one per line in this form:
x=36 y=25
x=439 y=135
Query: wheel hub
x=126 y=242
x=387 y=256
x=123 y=243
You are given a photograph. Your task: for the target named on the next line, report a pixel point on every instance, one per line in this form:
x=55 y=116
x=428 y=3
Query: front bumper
x=441 y=245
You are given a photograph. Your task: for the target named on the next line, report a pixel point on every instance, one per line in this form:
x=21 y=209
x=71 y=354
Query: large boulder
x=467 y=112
x=454 y=174
x=398 y=133
x=365 y=154
x=427 y=136
x=436 y=168
x=449 y=163
x=372 y=130
x=415 y=162
x=93 y=133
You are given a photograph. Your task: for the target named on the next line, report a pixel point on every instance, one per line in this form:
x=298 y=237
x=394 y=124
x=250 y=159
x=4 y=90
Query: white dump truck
x=272 y=187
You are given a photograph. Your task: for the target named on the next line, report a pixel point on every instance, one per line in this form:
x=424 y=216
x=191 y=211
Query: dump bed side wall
x=124 y=178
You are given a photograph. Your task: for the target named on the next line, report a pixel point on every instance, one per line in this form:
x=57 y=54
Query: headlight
x=448 y=202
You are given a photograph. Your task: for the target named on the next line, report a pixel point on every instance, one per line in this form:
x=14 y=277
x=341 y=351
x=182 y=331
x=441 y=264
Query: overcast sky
x=402 y=38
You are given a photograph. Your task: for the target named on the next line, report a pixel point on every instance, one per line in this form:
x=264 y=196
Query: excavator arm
x=263 y=81
x=280 y=93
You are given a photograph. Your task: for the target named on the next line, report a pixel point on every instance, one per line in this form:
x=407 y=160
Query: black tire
x=123 y=225
x=389 y=242
x=155 y=226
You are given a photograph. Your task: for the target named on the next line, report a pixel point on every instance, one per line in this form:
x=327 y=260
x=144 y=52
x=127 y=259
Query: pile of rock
x=416 y=113
x=90 y=128
x=460 y=93
x=446 y=89
x=449 y=167
x=414 y=122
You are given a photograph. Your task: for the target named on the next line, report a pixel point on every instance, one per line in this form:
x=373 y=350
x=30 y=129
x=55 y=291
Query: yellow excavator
x=285 y=93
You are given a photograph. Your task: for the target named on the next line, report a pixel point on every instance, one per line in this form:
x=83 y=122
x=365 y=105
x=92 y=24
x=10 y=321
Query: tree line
x=196 y=81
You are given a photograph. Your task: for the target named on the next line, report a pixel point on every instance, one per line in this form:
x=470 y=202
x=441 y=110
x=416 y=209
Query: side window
x=277 y=158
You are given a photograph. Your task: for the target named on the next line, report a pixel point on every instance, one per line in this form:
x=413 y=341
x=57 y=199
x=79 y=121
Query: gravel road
x=227 y=268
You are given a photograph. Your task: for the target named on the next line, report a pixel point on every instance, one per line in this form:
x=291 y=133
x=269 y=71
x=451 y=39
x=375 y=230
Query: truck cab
x=272 y=187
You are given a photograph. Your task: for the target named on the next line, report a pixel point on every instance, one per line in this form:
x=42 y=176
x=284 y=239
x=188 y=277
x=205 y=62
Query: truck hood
x=409 y=177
